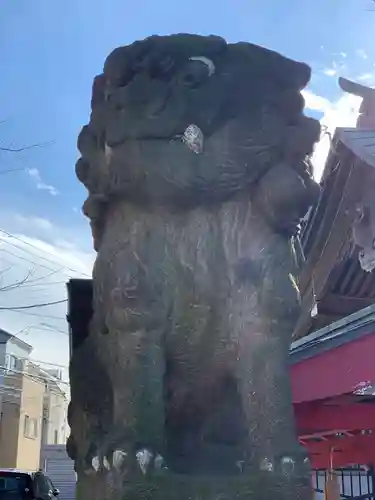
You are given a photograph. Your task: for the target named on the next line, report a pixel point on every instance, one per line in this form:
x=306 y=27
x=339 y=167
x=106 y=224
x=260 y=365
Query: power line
x=24 y=148
x=46 y=378
x=10 y=235
x=65 y=367
x=36 y=361
x=16 y=284
x=31 y=283
x=38 y=264
x=46 y=276
x=32 y=306
x=9 y=170
x=36 y=314
x=44 y=327
x=25 y=258
x=47 y=328
x=10 y=373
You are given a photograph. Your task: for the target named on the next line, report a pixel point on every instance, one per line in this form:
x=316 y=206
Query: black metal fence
x=356 y=483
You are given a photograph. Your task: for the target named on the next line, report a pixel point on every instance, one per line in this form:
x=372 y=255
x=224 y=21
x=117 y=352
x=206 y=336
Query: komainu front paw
x=107 y=456
x=289 y=465
x=144 y=461
x=149 y=461
x=117 y=460
x=116 y=453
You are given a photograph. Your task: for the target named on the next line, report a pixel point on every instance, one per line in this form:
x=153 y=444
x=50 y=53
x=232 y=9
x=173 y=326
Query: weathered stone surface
x=196 y=164
x=172 y=487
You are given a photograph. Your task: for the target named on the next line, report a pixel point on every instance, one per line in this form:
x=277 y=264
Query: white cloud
x=35 y=222
x=341 y=55
x=366 y=77
x=35 y=174
x=361 y=53
x=47 y=187
x=337 y=66
x=315 y=102
x=342 y=113
x=330 y=71
x=65 y=254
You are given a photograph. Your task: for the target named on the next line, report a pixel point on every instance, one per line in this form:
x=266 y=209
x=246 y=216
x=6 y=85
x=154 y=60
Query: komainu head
x=185 y=120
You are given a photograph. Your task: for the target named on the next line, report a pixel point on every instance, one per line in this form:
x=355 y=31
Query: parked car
x=18 y=484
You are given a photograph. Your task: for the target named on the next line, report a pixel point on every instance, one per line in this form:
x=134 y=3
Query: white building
x=55 y=411
x=55 y=406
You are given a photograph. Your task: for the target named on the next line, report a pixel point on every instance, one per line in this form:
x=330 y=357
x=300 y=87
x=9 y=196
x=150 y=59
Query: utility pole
x=45 y=420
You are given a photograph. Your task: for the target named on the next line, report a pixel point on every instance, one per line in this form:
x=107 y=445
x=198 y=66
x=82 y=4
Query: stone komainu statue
x=196 y=163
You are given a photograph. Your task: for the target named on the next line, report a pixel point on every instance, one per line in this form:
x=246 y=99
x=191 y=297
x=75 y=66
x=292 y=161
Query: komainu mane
x=196 y=164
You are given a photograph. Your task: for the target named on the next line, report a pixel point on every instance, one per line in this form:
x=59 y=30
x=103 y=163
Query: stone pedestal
x=256 y=486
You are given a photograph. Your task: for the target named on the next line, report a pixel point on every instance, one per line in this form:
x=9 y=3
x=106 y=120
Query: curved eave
x=360 y=142
x=337 y=334
x=336 y=360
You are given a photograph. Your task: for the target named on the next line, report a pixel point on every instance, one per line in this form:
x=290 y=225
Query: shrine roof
x=332 y=276
x=341 y=332
x=360 y=142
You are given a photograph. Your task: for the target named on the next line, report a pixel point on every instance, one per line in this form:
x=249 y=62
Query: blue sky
x=50 y=51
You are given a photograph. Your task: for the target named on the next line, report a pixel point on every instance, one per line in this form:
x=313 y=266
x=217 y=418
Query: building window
x=13 y=363
x=26 y=425
x=56 y=437
x=10 y=362
x=30 y=427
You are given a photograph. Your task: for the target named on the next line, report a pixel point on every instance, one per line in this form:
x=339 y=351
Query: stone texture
x=196 y=164
x=171 y=487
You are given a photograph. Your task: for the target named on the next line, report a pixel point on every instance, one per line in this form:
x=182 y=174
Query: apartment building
x=21 y=406
x=55 y=413
x=33 y=406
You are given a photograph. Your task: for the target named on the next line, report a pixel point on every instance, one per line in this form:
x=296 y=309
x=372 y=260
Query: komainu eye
x=196 y=71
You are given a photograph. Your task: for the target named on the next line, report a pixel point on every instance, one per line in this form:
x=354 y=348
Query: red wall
x=335 y=372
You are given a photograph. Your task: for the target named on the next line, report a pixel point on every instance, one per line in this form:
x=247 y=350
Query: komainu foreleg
x=266 y=399
x=130 y=343
x=90 y=408
x=263 y=315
